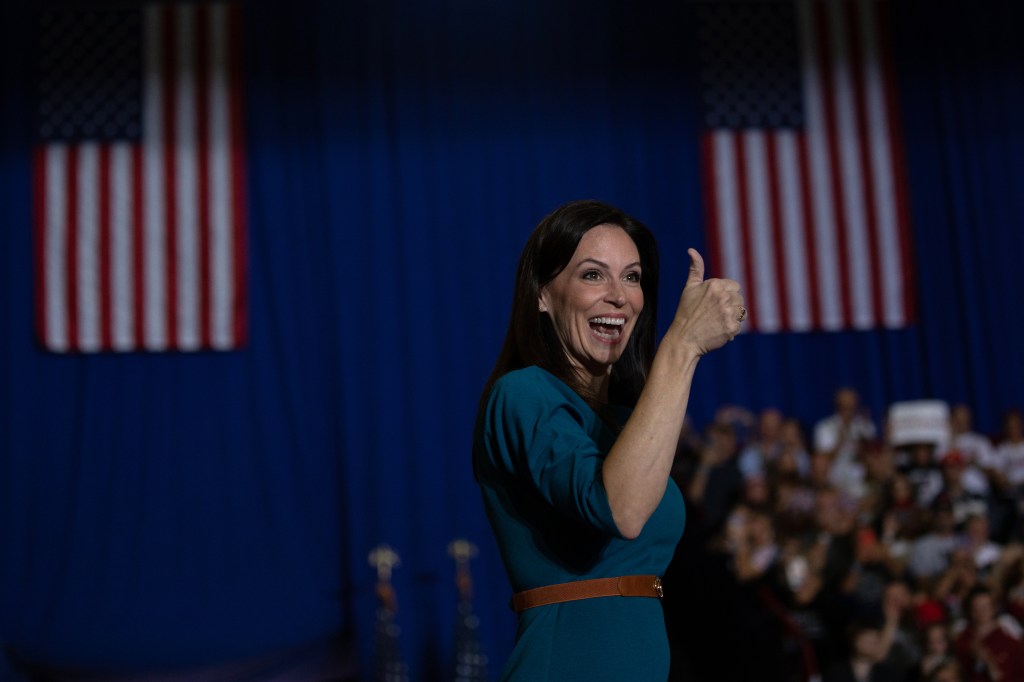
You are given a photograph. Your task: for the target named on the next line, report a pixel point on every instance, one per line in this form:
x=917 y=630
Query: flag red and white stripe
x=140 y=244
x=814 y=220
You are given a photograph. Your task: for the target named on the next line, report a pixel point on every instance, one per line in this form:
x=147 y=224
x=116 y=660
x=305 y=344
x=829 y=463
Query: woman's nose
x=616 y=293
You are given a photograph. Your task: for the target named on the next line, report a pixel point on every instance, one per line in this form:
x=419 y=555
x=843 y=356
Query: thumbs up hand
x=696 y=275
x=710 y=311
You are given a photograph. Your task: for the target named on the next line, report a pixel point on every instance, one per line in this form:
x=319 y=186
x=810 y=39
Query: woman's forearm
x=636 y=470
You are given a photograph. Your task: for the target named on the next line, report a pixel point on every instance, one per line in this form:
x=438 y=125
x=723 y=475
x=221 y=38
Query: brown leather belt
x=625 y=586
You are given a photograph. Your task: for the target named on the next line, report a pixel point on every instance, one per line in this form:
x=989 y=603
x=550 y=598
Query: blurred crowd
x=828 y=553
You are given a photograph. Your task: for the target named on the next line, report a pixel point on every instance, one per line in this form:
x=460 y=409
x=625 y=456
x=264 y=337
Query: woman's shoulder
x=533 y=389
x=531 y=380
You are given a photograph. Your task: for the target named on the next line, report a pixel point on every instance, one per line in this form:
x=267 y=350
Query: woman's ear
x=542 y=305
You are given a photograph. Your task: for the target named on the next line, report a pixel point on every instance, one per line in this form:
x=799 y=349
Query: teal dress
x=539 y=449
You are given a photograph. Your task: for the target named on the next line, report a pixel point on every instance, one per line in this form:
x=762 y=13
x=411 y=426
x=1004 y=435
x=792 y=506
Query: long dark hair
x=531 y=338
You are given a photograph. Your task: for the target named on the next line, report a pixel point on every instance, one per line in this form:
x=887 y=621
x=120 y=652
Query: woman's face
x=936 y=641
x=868 y=645
x=981 y=610
x=595 y=301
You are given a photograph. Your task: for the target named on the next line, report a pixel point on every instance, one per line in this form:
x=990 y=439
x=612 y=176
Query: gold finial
x=462 y=550
x=383 y=558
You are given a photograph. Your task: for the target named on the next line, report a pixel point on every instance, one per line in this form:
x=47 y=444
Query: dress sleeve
x=539 y=439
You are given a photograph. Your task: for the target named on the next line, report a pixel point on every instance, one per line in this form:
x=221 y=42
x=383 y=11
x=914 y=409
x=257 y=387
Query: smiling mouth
x=607 y=328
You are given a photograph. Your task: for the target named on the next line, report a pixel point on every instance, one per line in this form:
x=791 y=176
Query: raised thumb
x=696 y=275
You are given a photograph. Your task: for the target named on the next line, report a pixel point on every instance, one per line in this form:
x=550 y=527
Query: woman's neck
x=595 y=386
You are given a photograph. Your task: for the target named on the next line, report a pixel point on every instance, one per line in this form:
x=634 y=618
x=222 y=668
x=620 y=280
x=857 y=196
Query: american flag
x=802 y=163
x=138 y=180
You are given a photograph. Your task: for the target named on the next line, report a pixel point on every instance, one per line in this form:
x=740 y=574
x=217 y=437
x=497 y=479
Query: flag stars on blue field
x=90 y=76
x=750 y=65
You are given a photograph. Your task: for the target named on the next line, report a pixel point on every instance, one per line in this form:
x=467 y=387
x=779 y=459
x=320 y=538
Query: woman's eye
x=633 y=277
x=591 y=275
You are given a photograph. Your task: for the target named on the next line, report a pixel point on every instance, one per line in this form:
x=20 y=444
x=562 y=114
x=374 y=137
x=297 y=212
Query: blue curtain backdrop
x=170 y=510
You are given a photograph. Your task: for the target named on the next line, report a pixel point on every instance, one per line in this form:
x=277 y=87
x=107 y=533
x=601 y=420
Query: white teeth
x=608 y=320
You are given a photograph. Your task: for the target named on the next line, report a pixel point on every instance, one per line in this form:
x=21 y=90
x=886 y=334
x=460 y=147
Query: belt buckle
x=657 y=588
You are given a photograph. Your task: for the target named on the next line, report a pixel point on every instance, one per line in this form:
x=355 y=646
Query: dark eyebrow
x=634 y=264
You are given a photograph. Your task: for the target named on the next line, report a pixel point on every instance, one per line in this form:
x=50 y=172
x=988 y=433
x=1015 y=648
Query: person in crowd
x=575 y=438
x=900 y=635
x=755 y=623
x=717 y=482
x=930 y=553
x=986 y=650
x=953 y=585
x=1009 y=453
x=794 y=497
x=865 y=661
x=758 y=493
x=1007 y=580
x=808 y=600
x=831 y=551
x=979 y=456
x=845 y=427
x=794 y=445
x=840 y=436
x=978 y=543
x=1009 y=462
x=923 y=471
x=879 y=468
x=766 y=445
x=902 y=519
x=742 y=421
x=954 y=492
x=819 y=471
x=751 y=540
x=872 y=571
x=938 y=651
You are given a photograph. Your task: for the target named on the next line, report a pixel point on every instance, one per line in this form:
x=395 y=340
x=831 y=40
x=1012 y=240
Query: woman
x=986 y=649
x=938 y=650
x=575 y=438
